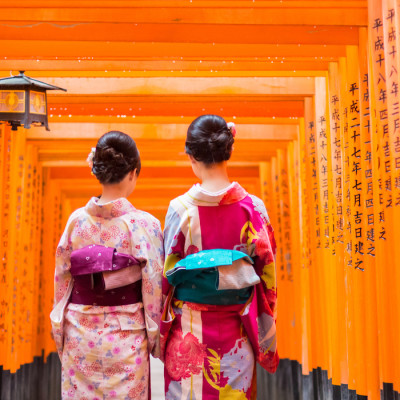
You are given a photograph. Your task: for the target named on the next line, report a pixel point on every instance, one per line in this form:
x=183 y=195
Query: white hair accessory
x=232 y=128
x=90 y=156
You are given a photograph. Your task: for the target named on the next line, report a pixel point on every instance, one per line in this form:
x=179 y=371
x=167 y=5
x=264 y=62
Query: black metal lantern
x=23 y=101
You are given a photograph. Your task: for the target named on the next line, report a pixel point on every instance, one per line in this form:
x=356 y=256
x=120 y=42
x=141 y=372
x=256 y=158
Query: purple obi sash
x=103 y=277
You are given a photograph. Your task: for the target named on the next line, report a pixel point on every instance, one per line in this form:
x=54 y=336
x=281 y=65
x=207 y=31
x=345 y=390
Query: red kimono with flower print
x=210 y=350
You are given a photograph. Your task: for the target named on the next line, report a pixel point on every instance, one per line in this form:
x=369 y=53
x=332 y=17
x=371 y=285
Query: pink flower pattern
x=86 y=233
x=136 y=391
x=263 y=246
x=59 y=251
x=148 y=287
x=105 y=236
x=114 y=231
x=184 y=356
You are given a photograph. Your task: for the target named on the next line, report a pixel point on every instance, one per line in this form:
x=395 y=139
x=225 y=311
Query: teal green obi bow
x=201 y=277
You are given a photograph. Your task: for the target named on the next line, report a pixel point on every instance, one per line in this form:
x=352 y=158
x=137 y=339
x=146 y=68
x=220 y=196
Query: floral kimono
x=104 y=349
x=211 y=338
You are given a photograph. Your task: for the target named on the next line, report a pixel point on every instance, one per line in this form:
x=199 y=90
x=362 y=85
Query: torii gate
x=313 y=89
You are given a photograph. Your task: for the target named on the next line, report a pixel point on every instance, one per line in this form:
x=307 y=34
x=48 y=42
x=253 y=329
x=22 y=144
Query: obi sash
x=103 y=277
x=218 y=276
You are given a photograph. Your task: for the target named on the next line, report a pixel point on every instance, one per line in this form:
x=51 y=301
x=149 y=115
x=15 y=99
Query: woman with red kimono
x=219 y=278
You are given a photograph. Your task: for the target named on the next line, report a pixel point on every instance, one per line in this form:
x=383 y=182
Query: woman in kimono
x=219 y=278
x=108 y=276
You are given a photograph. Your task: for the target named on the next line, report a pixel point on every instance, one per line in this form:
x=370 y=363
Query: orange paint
x=283 y=72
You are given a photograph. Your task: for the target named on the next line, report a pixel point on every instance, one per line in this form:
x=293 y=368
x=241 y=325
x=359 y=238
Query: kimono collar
x=112 y=209
x=200 y=197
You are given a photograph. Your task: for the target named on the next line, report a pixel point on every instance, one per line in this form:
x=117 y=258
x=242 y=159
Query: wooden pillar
x=382 y=199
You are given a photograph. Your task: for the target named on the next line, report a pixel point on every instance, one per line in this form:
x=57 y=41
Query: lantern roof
x=22 y=80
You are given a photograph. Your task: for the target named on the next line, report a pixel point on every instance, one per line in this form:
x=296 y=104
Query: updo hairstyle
x=209 y=139
x=116 y=155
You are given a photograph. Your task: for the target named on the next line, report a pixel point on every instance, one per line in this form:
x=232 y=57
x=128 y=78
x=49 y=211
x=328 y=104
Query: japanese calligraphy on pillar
x=336 y=157
x=279 y=219
x=355 y=160
x=392 y=141
x=322 y=150
x=266 y=192
x=14 y=264
x=305 y=246
x=380 y=126
x=313 y=178
x=344 y=134
x=380 y=53
x=285 y=211
x=5 y=203
x=366 y=159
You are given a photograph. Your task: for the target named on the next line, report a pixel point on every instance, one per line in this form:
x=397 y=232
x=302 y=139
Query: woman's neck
x=110 y=193
x=215 y=178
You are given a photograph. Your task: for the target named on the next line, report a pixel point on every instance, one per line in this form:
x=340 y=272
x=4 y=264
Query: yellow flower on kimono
x=268 y=276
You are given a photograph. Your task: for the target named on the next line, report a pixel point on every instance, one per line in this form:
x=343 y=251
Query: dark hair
x=209 y=139
x=116 y=155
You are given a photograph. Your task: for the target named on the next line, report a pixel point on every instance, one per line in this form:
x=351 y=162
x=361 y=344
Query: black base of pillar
x=288 y=383
x=38 y=380
x=388 y=393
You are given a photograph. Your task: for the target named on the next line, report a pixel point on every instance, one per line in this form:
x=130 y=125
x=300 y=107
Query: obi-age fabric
x=105 y=350
x=209 y=348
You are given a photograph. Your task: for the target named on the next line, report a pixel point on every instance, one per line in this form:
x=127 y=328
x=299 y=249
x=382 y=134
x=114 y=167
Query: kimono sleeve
x=174 y=247
x=63 y=284
x=174 y=244
x=266 y=290
x=151 y=286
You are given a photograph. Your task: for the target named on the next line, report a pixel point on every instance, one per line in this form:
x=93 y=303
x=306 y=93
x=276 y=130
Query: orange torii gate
x=313 y=89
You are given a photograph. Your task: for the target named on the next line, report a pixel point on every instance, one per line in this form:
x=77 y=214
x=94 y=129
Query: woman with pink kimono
x=219 y=278
x=108 y=275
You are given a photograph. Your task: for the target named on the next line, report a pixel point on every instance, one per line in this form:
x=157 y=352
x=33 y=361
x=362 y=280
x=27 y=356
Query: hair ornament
x=232 y=128
x=90 y=156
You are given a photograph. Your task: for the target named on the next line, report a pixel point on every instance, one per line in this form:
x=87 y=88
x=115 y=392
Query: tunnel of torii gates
x=313 y=89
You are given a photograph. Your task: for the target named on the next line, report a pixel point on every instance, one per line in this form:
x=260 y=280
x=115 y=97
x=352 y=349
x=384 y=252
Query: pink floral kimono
x=210 y=350
x=104 y=350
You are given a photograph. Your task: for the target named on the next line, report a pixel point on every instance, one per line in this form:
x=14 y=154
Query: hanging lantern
x=23 y=101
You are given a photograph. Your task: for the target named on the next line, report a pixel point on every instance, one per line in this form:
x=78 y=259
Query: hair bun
x=116 y=154
x=209 y=140
x=111 y=154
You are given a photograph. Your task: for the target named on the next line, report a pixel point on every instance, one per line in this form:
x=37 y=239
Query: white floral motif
x=90 y=157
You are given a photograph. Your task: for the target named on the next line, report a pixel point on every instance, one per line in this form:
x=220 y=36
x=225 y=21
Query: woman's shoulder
x=146 y=226
x=181 y=201
x=259 y=206
x=79 y=213
x=143 y=218
x=256 y=200
x=75 y=216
